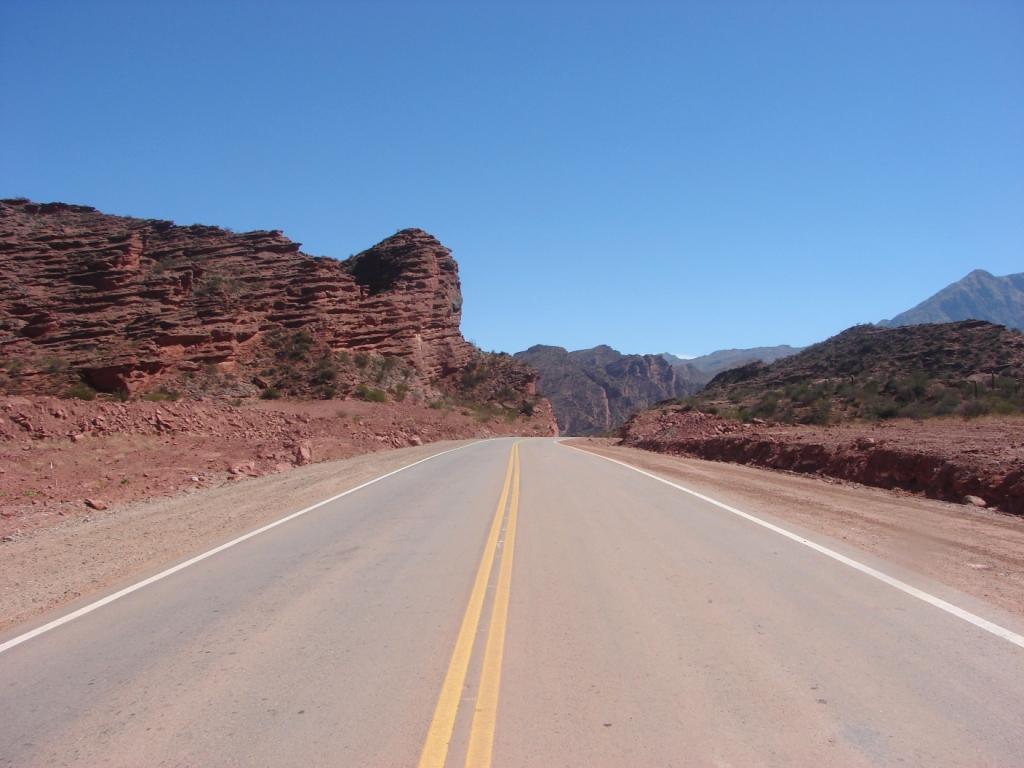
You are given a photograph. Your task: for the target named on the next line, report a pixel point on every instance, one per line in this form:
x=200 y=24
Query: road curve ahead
x=518 y=604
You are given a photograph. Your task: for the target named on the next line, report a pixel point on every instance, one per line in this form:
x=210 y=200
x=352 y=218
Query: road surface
x=516 y=606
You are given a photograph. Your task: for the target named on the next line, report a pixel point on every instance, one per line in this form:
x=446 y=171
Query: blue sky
x=659 y=177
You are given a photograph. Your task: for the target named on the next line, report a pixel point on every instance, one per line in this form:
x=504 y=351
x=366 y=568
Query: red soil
x=948 y=459
x=55 y=454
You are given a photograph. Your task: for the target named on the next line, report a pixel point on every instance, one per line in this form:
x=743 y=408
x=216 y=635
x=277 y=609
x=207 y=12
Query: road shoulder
x=63 y=565
x=978 y=552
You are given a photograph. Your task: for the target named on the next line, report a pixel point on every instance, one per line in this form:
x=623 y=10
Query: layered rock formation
x=129 y=305
x=596 y=390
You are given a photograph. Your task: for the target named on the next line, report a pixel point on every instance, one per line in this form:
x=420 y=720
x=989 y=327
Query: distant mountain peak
x=979 y=295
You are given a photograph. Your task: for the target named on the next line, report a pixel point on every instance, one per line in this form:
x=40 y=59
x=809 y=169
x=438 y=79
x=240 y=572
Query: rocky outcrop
x=131 y=305
x=595 y=390
x=949 y=459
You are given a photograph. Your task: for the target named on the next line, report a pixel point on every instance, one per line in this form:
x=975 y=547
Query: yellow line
x=435 y=749
x=481 y=733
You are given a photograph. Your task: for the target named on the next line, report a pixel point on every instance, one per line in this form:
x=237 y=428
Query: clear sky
x=659 y=177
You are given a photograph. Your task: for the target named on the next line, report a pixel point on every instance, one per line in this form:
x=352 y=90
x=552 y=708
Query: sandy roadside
x=976 y=551
x=82 y=556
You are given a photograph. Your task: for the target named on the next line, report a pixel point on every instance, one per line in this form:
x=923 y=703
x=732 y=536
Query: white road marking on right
x=902 y=586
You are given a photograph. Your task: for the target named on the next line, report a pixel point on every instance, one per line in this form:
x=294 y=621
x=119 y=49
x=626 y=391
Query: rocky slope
x=979 y=462
x=978 y=296
x=866 y=372
x=129 y=306
x=595 y=390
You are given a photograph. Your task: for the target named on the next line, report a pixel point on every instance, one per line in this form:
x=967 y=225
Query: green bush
x=12 y=365
x=270 y=393
x=972 y=409
x=370 y=394
x=161 y=395
x=81 y=391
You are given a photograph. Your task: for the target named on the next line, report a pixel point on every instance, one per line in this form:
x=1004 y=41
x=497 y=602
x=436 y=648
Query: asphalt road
x=530 y=606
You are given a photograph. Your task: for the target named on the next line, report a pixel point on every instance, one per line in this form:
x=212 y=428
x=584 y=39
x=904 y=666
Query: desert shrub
x=767 y=405
x=54 y=364
x=917 y=410
x=270 y=393
x=972 y=409
x=948 y=402
x=161 y=395
x=526 y=408
x=361 y=359
x=820 y=412
x=12 y=365
x=485 y=411
x=325 y=371
x=291 y=347
x=436 y=405
x=884 y=408
x=81 y=391
x=400 y=391
x=218 y=284
x=370 y=394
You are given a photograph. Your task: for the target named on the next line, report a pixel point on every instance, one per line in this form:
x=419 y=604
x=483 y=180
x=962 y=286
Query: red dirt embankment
x=949 y=459
x=56 y=454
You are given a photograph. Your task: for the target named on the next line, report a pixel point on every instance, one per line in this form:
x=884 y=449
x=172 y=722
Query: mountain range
x=714 y=363
x=595 y=390
x=979 y=295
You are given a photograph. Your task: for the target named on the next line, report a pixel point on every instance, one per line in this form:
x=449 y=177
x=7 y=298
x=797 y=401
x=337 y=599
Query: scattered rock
x=303 y=454
x=975 y=501
x=97 y=504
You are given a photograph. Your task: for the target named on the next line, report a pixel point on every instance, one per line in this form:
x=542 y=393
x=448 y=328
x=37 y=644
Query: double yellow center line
x=481 y=734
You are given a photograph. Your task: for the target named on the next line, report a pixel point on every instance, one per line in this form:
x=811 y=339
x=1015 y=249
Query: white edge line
x=902 y=586
x=198 y=558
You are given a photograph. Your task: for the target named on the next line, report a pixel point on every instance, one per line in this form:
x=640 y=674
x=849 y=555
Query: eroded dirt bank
x=948 y=459
x=61 y=459
x=976 y=551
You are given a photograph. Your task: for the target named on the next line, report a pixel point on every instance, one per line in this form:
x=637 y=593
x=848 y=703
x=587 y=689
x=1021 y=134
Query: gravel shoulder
x=74 y=561
x=976 y=551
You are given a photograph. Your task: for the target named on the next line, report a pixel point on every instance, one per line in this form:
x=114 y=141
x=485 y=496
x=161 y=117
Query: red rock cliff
x=125 y=303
